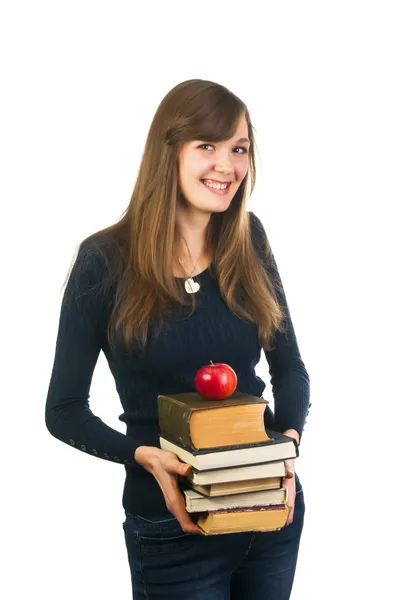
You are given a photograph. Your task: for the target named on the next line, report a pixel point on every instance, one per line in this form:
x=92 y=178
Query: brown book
x=235 y=474
x=196 y=503
x=237 y=487
x=266 y=518
x=196 y=423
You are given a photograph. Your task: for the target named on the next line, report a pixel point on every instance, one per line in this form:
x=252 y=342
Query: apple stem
x=211 y=362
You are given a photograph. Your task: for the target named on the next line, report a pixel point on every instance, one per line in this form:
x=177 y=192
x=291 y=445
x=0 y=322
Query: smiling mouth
x=216 y=186
x=218 y=189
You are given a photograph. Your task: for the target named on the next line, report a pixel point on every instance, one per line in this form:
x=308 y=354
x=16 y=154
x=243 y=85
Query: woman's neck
x=189 y=267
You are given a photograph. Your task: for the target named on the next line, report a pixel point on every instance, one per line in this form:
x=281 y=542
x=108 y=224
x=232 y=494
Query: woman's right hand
x=166 y=467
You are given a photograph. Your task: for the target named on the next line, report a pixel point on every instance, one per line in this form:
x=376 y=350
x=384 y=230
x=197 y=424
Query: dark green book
x=194 y=422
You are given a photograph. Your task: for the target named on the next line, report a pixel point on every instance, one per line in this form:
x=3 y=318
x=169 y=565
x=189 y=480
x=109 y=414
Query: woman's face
x=222 y=162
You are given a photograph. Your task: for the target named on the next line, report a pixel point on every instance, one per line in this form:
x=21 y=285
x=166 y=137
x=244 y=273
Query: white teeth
x=217 y=186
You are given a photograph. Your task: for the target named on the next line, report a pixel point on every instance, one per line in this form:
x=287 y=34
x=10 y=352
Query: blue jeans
x=167 y=563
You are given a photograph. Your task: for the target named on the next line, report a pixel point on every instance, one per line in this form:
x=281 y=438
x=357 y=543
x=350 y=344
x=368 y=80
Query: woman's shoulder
x=95 y=265
x=254 y=220
x=258 y=235
x=98 y=250
x=98 y=242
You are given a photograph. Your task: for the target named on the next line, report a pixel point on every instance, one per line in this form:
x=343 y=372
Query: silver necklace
x=191 y=286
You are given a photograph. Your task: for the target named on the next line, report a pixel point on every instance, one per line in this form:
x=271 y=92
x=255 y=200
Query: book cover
x=267 y=518
x=195 y=422
x=236 y=474
x=195 y=502
x=279 y=447
x=235 y=487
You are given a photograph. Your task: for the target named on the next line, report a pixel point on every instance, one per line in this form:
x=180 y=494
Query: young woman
x=184 y=277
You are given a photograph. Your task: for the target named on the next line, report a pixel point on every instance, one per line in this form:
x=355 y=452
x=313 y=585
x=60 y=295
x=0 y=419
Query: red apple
x=215 y=381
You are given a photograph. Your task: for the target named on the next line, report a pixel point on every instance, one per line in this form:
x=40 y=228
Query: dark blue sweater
x=168 y=365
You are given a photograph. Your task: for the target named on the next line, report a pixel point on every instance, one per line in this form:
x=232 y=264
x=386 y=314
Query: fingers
x=176 y=505
x=290 y=484
x=183 y=469
x=173 y=465
x=291 y=509
x=173 y=497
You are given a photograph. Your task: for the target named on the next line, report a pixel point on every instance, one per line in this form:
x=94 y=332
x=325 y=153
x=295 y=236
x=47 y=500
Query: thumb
x=183 y=468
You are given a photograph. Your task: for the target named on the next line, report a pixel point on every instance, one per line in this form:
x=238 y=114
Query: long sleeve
x=289 y=378
x=81 y=334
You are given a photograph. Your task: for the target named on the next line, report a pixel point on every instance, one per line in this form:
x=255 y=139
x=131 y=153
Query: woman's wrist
x=144 y=455
x=292 y=433
x=290 y=464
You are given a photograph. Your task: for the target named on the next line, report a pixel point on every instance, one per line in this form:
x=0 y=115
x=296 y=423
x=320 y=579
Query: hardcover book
x=237 y=474
x=278 y=447
x=196 y=423
x=197 y=503
x=266 y=518
x=237 y=487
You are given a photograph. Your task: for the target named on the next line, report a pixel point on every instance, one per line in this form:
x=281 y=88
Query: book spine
x=174 y=421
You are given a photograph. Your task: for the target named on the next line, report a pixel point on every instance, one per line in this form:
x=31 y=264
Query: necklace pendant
x=191 y=286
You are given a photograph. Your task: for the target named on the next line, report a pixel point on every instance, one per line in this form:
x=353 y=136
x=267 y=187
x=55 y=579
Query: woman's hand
x=289 y=482
x=166 y=467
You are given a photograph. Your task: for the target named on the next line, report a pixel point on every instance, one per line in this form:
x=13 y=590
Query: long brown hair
x=143 y=239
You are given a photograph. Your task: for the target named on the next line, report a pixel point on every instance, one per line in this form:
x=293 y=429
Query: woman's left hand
x=289 y=482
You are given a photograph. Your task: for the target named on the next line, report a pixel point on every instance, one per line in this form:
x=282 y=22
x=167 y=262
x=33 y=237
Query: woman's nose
x=224 y=168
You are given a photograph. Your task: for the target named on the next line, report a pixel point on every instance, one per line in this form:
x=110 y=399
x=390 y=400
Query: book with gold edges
x=266 y=518
x=197 y=423
x=236 y=487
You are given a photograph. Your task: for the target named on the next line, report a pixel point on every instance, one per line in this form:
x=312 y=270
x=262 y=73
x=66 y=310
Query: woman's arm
x=289 y=378
x=81 y=334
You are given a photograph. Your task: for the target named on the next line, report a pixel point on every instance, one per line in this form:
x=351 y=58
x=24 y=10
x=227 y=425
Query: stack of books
x=235 y=483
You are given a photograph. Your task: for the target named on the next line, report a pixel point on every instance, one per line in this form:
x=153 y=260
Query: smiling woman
x=186 y=240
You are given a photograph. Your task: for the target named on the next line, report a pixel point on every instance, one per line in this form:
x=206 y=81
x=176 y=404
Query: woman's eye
x=241 y=148
x=237 y=148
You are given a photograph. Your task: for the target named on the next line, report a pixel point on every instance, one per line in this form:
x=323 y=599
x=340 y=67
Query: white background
x=81 y=81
